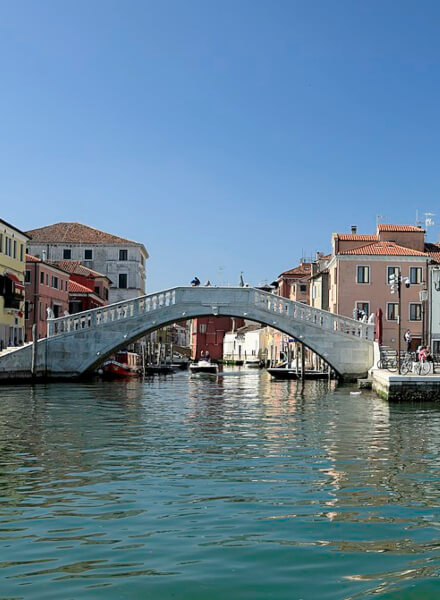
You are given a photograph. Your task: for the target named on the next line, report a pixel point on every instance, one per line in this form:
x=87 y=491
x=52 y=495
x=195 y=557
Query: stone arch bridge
x=76 y=344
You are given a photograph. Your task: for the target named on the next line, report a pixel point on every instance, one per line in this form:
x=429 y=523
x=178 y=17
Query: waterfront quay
x=406 y=388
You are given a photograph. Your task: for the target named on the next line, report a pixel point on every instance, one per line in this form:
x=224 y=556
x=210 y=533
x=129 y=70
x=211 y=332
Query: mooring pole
x=303 y=362
x=34 y=350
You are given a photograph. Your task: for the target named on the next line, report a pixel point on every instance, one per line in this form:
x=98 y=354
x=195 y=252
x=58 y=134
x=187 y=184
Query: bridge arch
x=76 y=344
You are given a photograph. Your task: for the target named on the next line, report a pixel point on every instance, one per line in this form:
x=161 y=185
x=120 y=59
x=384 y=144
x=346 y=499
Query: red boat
x=125 y=364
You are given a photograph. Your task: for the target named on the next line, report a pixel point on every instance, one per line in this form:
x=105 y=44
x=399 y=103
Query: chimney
x=354 y=229
x=43 y=255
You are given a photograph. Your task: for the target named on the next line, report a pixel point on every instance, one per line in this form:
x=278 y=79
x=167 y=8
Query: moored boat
x=252 y=363
x=285 y=373
x=203 y=366
x=125 y=364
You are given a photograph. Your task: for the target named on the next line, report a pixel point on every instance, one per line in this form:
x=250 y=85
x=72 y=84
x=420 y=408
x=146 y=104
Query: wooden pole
x=34 y=350
x=303 y=362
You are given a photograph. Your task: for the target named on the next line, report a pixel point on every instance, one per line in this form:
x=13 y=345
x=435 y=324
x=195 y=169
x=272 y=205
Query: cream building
x=12 y=268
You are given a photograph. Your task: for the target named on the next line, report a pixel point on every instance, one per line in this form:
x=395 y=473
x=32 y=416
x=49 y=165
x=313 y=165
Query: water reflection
x=204 y=484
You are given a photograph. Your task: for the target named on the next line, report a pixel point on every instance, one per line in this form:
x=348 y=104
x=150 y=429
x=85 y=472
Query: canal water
x=236 y=486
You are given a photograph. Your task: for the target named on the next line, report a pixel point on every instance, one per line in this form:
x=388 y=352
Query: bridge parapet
x=218 y=298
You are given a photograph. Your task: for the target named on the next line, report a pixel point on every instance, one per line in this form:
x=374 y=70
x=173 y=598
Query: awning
x=15 y=279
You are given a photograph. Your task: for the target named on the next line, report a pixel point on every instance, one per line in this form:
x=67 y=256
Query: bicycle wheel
x=425 y=368
x=380 y=364
x=405 y=367
x=392 y=365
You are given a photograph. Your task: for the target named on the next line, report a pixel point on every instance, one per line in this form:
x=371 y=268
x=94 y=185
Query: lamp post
x=423 y=297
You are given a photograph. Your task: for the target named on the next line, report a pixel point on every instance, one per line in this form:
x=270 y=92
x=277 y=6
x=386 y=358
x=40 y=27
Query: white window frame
x=392 y=320
x=369 y=274
x=363 y=302
x=392 y=267
x=409 y=312
x=421 y=275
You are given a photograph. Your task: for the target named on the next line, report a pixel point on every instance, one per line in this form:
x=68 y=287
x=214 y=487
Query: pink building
x=359 y=277
x=207 y=335
x=46 y=286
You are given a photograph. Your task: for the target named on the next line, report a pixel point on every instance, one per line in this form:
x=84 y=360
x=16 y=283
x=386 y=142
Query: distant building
x=46 y=287
x=247 y=342
x=207 y=335
x=97 y=283
x=121 y=260
x=359 y=274
x=12 y=300
x=82 y=298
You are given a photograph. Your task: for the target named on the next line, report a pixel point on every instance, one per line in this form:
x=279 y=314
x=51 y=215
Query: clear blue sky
x=234 y=134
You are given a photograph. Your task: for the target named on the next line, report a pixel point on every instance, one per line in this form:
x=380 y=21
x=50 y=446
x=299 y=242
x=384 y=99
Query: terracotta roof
x=390 y=227
x=75 y=266
x=357 y=237
x=384 y=249
x=77 y=288
x=32 y=258
x=301 y=271
x=76 y=233
x=434 y=251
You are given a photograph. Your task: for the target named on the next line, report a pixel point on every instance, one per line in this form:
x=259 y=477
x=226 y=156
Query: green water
x=235 y=487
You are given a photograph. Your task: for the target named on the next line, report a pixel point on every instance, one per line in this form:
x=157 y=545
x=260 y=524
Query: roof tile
x=391 y=227
x=383 y=249
x=75 y=233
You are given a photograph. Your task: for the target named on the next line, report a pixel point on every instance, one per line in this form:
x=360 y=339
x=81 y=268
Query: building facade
x=122 y=261
x=12 y=298
x=207 y=335
x=46 y=287
x=359 y=274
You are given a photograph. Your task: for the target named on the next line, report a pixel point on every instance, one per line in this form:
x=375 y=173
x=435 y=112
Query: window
x=363 y=274
x=42 y=277
x=21 y=252
x=202 y=328
x=47 y=278
x=392 y=311
x=415 y=312
x=364 y=307
x=122 y=281
x=26 y=310
x=123 y=254
x=96 y=290
x=15 y=248
x=106 y=293
x=67 y=253
x=415 y=274
x=27 y=276
x=142 y=259
x=392 y=271
x=88 y=254
x=302 y=288
x=1 y=242
x=55 y=282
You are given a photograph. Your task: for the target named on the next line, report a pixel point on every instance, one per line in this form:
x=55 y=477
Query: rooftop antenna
x=429 y=221
x=379 y=219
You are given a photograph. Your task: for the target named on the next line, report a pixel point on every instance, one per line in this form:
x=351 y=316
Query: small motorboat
x=203 y=366
x=125 y=364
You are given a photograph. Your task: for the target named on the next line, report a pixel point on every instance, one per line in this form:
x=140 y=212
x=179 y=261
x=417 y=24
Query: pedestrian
x=355 y=313
x=408 y=339
x=208 y=283
x=195 y=282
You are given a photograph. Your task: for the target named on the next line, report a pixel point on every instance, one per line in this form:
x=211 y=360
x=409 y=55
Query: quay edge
x=406 y=388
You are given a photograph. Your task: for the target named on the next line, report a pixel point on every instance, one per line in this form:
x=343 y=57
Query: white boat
x=203 y=366
x=252 y=363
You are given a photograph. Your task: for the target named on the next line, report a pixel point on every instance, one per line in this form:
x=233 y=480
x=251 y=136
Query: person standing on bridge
x=195 y=282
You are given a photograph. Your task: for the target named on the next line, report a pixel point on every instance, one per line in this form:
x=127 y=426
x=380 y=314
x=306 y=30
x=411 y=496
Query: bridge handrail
x=265 y=301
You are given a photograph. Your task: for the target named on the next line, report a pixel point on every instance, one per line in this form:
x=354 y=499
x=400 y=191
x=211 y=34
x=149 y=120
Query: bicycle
x=406 y=363
x=422 y=368
x=388 y=362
